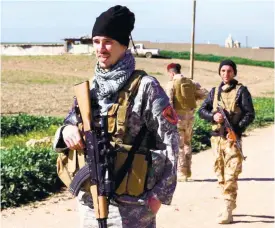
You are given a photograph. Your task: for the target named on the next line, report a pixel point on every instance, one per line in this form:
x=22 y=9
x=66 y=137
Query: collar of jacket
x=178 y=76
x=228 y=87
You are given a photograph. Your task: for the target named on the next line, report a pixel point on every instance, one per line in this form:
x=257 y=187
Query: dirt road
x=195 y=204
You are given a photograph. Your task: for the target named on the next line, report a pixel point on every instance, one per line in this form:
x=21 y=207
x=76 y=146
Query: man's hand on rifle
x=218 y=118
x=72 y=137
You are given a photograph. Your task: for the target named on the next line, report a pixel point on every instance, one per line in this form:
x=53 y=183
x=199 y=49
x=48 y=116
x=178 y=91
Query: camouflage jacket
x=150 y=107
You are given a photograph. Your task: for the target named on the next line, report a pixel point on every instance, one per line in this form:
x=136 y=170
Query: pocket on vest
x=133 y=183
x=63 y=170
x=186 y=91
x=112 y=118
x=188 y=95
x=68 y=164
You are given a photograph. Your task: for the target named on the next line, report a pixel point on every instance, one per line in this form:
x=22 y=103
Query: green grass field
x=215 y=58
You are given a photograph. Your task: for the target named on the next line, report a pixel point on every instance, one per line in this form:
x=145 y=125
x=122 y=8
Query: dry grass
x=42 y=85
x=29 y=77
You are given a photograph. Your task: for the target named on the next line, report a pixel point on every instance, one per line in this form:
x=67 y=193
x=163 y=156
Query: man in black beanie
x=113 y=26
x=235 y=99
x=139 y=116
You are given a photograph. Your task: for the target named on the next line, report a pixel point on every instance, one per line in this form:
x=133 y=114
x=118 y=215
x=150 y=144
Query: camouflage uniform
x=150 y=107
x=237 y=101
x=227 y=166
x=185 y=126
x=123 y=215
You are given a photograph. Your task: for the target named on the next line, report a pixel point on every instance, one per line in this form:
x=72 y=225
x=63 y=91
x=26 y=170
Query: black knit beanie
x=116 y=23
x=228 y=62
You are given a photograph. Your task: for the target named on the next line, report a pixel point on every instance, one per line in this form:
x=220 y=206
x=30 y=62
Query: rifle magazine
x=81 y=176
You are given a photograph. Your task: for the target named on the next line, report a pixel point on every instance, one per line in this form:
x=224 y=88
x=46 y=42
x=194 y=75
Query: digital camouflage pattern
x=125 y=215
x=147 y=108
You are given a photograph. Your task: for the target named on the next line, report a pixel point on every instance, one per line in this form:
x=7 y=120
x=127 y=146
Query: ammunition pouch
x=134 y=180
x=130 y=168
x=68 y=164
x=131 y=163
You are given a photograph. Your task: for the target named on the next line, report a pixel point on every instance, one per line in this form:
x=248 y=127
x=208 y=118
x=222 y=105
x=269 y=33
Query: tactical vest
x=228 y=102
x=133 y=182
x=184 y=94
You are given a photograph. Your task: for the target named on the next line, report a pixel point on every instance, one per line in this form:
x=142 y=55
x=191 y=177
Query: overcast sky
x=156 y=20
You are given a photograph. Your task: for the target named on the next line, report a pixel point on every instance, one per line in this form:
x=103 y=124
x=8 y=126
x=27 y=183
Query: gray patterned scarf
x=107 y=83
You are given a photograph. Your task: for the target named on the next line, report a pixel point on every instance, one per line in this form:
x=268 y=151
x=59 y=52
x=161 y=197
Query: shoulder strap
x=215 y=98
x=135 y=87
x=125 y=100
x=131 y=87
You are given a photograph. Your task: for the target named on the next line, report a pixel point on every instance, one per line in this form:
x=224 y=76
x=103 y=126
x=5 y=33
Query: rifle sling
x=129 y=160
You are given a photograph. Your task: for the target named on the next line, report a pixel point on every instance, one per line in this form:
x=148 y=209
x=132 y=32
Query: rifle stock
x=82 y=92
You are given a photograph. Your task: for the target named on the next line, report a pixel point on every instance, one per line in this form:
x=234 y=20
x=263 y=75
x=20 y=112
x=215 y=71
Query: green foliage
x=201 y=135
x=216 y=58
x=21 y=139
x=30 y=173
x=264 y=108
x=23 y=123
x=155 y=73
x=27 y=174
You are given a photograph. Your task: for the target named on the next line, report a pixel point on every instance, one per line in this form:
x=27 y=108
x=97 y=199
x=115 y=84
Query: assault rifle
x=231 y=133
x=98 y=157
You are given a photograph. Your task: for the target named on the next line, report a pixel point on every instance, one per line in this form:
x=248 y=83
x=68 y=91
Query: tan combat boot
x=225 y=217
x=184 y=174
x=189 y=173
x=181 y=177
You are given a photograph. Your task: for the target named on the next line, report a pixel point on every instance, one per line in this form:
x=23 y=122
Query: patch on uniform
x=170 y=114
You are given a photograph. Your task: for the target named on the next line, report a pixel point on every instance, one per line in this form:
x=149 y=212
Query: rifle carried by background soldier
x=230 y=100
x=231 y=133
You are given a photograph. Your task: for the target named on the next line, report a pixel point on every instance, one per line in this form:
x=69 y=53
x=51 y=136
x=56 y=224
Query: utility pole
x=193 y=41
x=246 y=41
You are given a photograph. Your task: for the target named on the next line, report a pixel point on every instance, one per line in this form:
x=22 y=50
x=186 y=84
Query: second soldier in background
x=183 y=94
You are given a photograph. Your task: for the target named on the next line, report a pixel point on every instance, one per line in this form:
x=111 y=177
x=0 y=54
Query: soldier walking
x=235 y=99
x=183 y=94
